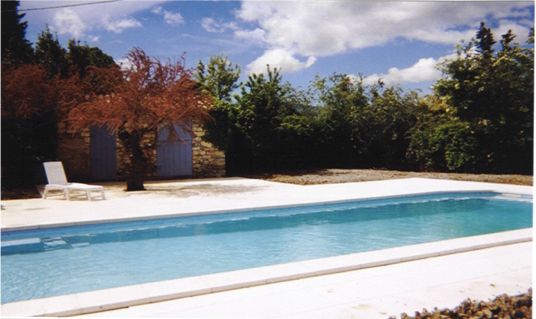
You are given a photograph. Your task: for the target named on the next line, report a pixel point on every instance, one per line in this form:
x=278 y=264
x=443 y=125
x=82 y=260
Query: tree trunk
x=136 y=175
x=137 y=161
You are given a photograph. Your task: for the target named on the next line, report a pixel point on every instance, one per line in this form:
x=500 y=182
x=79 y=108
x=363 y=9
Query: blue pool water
x=57 y=261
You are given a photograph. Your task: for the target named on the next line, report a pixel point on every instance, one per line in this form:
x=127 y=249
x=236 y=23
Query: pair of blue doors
x=173 y=153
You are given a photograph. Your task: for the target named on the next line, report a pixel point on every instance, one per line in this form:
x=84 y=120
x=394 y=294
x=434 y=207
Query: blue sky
x=400 y=42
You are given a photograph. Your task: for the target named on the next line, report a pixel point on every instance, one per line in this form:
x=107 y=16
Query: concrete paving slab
x=381 y=289
x=121 y=297
x=369 y=293
x=173 y=198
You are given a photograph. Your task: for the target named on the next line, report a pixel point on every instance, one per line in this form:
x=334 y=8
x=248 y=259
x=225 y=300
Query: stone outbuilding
x=94 y=154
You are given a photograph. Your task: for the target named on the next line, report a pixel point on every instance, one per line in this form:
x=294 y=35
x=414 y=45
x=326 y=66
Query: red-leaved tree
x=26 y=91
x=151 y=95
x=28 y=122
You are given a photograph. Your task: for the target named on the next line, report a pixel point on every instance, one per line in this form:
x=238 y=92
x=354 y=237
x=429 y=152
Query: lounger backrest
x=55 y=173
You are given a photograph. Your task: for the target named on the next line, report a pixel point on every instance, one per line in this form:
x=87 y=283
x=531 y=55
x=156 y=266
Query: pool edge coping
x=126 y=296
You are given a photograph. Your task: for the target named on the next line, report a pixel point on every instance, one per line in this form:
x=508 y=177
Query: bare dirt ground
x=328 y=176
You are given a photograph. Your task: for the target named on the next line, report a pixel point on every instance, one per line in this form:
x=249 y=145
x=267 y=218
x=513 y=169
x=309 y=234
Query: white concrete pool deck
x=196 y=196
x=387 y=283
x=380 y=292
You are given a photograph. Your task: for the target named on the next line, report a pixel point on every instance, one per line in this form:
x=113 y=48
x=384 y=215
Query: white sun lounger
x=58 y=181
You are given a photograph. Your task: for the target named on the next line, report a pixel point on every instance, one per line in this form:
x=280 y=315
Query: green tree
x=484 y=42
x=219 y=78
x=261 y=108
x=341 y=100
x=493 y=91
x=438 y=142
x=15 y=48
x=386 y=124
x=80 y=57
x=50 y=54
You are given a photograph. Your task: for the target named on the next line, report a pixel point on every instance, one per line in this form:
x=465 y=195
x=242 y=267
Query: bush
x=450 y=146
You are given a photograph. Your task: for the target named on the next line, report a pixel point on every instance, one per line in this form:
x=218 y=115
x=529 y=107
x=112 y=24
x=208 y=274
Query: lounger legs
x=88 y=194
x=66 y=194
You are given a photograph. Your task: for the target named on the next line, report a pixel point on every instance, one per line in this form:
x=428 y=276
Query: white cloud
x=171 y=18
x=322 y=28
x=522 y=12
x=445 y=37
x=93 y=38
x=521 y=31
x=157 y=10
x=66 y=21
x=119 y=25
x=213 y=26
x=210 y=25
x=124 y=63
x=255 y=36
x=424 y=70
x=83 y=22
x=281 y=59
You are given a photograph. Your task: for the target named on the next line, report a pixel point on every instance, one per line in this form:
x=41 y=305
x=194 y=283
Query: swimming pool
x=56 y=261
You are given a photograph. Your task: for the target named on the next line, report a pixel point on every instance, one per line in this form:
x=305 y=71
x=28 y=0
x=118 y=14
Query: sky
x=399 y=42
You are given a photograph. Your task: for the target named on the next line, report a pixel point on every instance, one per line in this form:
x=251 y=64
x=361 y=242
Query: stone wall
x=74 y=152
x=208 y=161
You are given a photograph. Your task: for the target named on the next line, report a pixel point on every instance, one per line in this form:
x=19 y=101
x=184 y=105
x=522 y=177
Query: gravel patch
x=503 y=306
x=330 y=176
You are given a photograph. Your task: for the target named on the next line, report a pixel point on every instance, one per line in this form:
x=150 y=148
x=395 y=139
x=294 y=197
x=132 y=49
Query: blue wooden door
x=173 y=152
x=103 y=160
